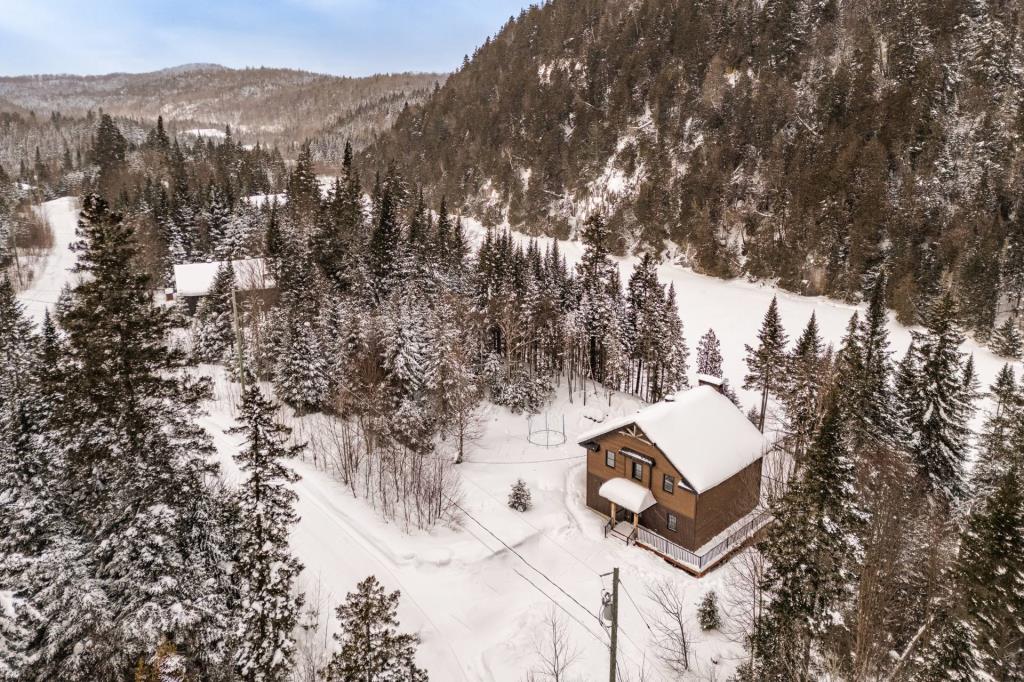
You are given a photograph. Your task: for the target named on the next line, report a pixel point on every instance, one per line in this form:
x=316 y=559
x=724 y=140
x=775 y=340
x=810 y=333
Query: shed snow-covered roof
x=626 y=493
x=195 y=279
x=701 y=433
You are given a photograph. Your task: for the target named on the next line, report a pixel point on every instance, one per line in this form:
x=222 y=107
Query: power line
x=520 y=556
x=631 y=600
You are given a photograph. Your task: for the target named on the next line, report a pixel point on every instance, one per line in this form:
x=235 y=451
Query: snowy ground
x=55 y=270
x=477 y=604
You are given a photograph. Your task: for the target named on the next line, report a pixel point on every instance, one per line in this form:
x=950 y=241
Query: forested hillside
x=272 y=106
x=808 y=141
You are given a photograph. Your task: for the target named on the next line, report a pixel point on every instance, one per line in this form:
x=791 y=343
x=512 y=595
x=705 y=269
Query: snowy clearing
x=478 y=595
x=54 y=270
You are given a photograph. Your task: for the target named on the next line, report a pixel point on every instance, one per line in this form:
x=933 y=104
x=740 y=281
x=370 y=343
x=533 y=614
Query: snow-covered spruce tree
x=804 y=387
x=519 y=496
x=673 y=351
x=301 y=365
x=947 y=652
x=937 y=409
x=996 y=451
x=372 y=649
x=1006 y=341
x=265 y=569
x=709 y=355
x=766 y=363
x=707 y=612
x=301 y=369
x=991 y=576
x=217 y=218
x=451 y=374
x=26 y=512
x=303 y=187
x=152 y=557
x=386 y=238
x=598 y=316
x=868 y=383
x=812 y=555
x=644 y=328
x=213 y=328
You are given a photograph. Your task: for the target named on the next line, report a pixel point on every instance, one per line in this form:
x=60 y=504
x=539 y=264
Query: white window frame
x=673 y=522
x=609 y=459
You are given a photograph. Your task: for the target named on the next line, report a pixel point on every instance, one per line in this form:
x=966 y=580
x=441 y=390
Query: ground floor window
x=673 y=522
x=638 y=471
x=609 y=458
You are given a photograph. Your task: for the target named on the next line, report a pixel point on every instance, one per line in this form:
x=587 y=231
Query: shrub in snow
x=519 y=498
x=707 y=612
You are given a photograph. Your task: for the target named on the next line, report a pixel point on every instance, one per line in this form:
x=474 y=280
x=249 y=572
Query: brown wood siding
x=726 y=503
x=699 y=518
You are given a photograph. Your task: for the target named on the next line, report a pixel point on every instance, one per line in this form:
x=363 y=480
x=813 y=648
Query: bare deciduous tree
x=555 y=651
x=671 y=638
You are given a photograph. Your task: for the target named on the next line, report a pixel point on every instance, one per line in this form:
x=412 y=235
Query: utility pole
x=615 y=624
x=238 y=339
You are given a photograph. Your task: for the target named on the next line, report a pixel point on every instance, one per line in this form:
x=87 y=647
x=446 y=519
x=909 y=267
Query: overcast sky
x=345 y=37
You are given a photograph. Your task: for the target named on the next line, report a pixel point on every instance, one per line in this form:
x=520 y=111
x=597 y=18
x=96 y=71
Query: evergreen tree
x=385 y=241
x=996 y=440
x=812 y=556
x=804 y=387
x=214 y=321
x=519 y=497
x=109 y=151
x=766 y=363
x=303 y=186
x=707 y=612
x=937 y=410
x=869 y=401
x=709 y=355
x=1007 y=341
x=991 y=577
x=598 y=314
x=372 y=649
x=265 y=568
x=673 y=351
x=133 y=480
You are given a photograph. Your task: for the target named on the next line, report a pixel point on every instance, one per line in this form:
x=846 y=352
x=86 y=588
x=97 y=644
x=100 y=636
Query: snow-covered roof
x=709 y=379
x=195 y=279
x=627 y=494
x=701 y=433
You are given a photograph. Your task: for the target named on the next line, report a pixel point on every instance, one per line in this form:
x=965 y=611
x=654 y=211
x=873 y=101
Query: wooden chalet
x=678 y=473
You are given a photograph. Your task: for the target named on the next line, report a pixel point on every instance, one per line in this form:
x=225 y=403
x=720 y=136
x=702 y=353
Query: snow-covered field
x=55 y=270
x=478 y=594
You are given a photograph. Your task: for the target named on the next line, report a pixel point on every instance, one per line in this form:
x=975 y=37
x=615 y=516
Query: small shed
x=696 y=458
x=193 y=281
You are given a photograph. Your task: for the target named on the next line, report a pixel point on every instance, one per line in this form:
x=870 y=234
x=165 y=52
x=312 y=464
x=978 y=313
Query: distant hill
x=275 y=106
x=808 y=141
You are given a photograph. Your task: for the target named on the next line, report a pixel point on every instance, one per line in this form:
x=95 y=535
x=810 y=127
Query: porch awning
x=626 y=494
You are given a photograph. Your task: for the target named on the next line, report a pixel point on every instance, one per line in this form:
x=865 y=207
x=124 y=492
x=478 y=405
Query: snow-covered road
x=55 y=269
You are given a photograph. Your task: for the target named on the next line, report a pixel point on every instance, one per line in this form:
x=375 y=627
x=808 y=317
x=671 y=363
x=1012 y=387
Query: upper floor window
x=668 y=483
x=609 y=458
x=638 y=471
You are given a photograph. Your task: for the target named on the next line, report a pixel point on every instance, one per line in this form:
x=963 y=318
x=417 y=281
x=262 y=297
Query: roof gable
x=700 y=432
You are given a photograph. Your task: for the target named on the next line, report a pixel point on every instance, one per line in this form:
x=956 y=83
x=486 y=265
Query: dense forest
x=811 y=142
x=278 y=107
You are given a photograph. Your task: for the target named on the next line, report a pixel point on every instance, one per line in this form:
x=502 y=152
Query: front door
x=623 y=515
